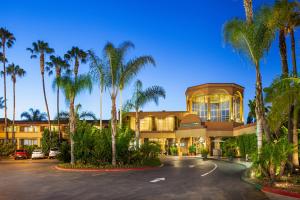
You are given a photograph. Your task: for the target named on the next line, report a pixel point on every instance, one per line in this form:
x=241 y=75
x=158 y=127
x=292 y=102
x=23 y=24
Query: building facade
x=213 y=111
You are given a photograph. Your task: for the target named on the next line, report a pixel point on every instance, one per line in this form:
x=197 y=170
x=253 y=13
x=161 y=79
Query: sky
x=183 y=36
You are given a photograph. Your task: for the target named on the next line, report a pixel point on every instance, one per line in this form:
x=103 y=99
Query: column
x=208 y=108
x=178 y=146
x=231 y=107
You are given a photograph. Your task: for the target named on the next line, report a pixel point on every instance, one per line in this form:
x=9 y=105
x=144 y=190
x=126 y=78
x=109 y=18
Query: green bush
x=30 y=148
x=64 y=155
x=271 y=161
x=204 y=152
x=7 y=149
x=173 y=150
x=229 y=147
x=247 y=144
x=192 y=149
x=48 y=142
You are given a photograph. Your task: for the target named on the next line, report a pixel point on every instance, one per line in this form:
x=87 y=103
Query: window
x=146 y=124
x=29 y=142
x=199 y=105
x=225 y=111
x=214 y=111
x=237 y=105
x=165 y=124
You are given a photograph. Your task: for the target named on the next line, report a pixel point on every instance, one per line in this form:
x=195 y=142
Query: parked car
x=37 y=153
x=53 y=152
x=21 y=154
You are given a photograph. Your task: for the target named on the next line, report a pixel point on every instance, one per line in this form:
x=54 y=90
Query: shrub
x=48 y=142
x=229 y=147
x=192 y=149
x=204 y=152
x=7 y=149
x=64 y=155
x=30 y=148
x=247 y=144
x=271 y=161
x=173 y=150
x=150 y=150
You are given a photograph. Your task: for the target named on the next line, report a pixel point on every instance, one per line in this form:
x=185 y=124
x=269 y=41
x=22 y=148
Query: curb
x=106 y=170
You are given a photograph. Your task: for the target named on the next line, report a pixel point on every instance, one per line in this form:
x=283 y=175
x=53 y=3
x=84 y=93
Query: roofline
x=213 y=84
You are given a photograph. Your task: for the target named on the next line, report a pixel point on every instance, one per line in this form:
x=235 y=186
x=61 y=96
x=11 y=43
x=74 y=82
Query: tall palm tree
x=71 y=87
x=7 y=39
x=114 y=76
x=139 y=99
x=59 y=64
x=34 y=115
x=78 y=56
x=79 y=115
x=248 y=10
x=136 y=64
x=41 y=48
x=97 y=70
x=15 y=71
x=252 y=40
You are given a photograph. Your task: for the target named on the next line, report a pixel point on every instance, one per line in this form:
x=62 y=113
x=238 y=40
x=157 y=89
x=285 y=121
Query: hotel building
x=213 y=111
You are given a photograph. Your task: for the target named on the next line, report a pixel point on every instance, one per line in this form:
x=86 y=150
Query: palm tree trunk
x=283 y=54
x=42 y=64
x=72 y=129
x=259 y=108
x=114 y=128
x=76 y=67
x=14 y=112
x=101 y=97
x=248 y=11
x=295 y=72
x=4 y=79
x=295 y=158
x=137 y=129
x=58 y=117
x=120 y=117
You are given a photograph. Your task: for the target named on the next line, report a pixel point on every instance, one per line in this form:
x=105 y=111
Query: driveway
x=179 y=178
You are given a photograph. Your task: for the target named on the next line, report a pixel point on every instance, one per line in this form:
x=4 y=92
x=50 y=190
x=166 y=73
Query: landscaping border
x=260 y=187
x=106 y=170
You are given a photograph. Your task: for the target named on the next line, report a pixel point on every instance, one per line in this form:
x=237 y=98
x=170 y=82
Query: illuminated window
x=225 y=111
x=214 y=111
x=165 y=124
x=199 y=105
x=146 y=124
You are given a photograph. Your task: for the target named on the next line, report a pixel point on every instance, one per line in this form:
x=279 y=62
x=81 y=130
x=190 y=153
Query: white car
x=53 y=153
x=37 y=153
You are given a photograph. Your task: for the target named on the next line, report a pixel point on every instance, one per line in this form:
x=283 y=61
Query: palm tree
x=251 y=115
x=248 y=10
x=15 y=71
x=41 y=48
x=58 y=64
x=78 y=56
x=79 y=115
x=139 y=99
x=282 y=94
x=136 y=64
x=252 y=40
x=115 y=77
x=97 y=70
x=7 y=39
x=34 y=115
x=71 y=87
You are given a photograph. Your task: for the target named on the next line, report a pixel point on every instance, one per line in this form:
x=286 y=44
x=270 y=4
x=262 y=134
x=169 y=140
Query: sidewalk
x=240 y=161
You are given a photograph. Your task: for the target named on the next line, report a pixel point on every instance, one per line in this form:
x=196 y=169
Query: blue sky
x=184 y=37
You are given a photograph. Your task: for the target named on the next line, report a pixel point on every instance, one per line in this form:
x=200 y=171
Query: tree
x=79 y=115
x=252 y=40
x=41 y=48
x=34 y=115
x=251 y=115
x=97 y=70
x=135 y=65
x=7 y=40
x=116 y=74
x=72 y=87
x=139 y=99
x=78 y=56
x=60 y=65
x=15 y=71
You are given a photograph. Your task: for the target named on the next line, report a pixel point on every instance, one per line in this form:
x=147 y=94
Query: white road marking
x=216 y=166
x=157 y=180
x=191 y=166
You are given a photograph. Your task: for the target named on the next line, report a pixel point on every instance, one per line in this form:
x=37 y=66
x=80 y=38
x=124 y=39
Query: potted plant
x=204 y=153
x=173 y=150
x=192 y=150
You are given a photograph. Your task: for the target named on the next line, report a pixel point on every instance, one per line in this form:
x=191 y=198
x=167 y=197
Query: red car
x=21 y=154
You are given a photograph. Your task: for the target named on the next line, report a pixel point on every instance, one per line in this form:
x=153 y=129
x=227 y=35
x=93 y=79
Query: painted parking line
x=191 y=166
x=207 y=173
x=157 y=180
